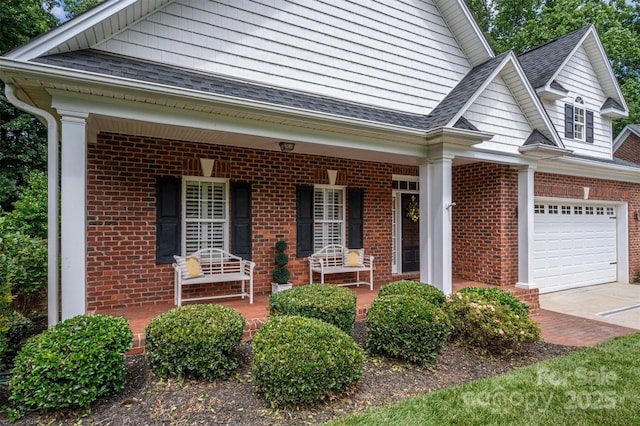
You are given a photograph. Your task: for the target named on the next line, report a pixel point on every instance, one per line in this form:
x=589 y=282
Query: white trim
x=183 y=218
x=526 y=239
x=581 y=167
x=623 y=135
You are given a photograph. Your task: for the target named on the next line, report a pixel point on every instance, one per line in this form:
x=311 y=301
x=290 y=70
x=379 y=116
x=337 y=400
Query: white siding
x=393 y=54
x=497 y=112
x=579 y=78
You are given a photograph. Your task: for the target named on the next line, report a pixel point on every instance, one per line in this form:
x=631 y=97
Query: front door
x=410 y=235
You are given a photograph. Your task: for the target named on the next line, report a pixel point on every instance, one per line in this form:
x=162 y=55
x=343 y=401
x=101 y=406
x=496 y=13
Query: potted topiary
x=281 y=274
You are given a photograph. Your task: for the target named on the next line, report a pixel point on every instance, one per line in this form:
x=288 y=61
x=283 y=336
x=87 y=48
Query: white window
x=578 y=119
x=539 y=209
x=206 y=212
x=329 y=213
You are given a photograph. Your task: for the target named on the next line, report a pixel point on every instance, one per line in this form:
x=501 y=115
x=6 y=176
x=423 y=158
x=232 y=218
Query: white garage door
x=575 y=245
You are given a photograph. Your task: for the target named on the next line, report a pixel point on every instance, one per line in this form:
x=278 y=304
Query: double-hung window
x=578 y=119
x=328 y=215
x=205 y=219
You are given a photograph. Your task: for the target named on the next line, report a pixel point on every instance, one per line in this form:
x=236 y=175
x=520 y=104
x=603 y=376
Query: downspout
x=52 y=206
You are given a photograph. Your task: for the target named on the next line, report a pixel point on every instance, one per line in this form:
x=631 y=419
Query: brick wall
x=561 y=186
x=485 y=223
x=121 y=211
x=630 y=149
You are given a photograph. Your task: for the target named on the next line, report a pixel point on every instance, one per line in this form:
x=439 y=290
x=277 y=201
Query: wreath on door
x=413 y=209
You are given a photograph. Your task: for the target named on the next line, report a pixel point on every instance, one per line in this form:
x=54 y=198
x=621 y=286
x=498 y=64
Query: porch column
x=525 y=227
x=74 y=213
x=435 y=222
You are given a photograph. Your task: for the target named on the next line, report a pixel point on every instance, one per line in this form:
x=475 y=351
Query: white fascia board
x=482 y=41
x=132 y=110
x=582 y=167
x=622 y=136
x=490 y=156
x=59 y=35
x=532 y=97
x=70 y=77
x=603 y=57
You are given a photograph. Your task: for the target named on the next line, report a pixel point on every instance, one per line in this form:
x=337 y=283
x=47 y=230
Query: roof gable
x=629 y=129
x=542 y=66
x=505 y=68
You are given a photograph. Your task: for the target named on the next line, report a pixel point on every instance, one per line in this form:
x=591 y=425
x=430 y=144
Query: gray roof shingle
x=460 y=95
x=120 y=66
x=537 y=138
x=541 y=63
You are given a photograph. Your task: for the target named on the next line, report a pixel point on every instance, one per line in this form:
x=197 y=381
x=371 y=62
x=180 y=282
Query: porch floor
x=556 y=328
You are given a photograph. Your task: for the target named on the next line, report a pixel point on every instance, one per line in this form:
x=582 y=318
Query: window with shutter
x=328 y=216
x=167 y=219
x=205 y=218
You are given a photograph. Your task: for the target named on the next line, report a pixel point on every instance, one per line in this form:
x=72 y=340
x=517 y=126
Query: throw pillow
x=353 y=258
x=189 y=266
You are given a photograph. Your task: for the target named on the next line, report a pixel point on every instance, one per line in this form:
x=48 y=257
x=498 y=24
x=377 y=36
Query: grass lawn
x=594 y=386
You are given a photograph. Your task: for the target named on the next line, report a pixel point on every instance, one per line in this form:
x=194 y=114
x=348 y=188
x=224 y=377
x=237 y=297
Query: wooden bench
x=331 y=260
x=216 y=266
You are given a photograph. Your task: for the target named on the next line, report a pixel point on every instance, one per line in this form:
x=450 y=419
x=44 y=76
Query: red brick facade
x=630 y=149
x=121 y=210
x=485 y=223
x=122 y=172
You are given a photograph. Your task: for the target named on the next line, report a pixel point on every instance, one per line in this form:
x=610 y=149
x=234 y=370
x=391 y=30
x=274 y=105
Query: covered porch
x=256 y=314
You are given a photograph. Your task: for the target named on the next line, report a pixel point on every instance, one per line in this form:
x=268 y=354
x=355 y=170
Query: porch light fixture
x=287 y=146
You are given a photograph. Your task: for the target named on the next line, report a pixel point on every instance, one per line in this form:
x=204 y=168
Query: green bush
x=496 y=295
x=70 y=364
x=406 y=327
x=23 y=267
x=488 y=326
x=330 y=303
x=298 y=360
x=414 y=288
x=19 y=328
x=195 y=341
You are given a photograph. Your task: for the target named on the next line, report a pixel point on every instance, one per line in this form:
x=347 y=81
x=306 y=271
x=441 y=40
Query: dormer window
x=578 y=121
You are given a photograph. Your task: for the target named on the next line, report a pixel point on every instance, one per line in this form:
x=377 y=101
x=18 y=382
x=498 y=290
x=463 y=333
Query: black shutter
x=589 y=126
x=356 y=217
x=168 y=204
x=241 y=219
x=304 y=221
x=568 y=121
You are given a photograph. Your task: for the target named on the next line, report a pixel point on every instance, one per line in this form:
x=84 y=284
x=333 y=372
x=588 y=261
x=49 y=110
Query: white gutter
x=52 y=209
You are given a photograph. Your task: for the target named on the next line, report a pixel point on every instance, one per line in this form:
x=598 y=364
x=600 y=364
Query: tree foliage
x=522 y=25
x=74 y=8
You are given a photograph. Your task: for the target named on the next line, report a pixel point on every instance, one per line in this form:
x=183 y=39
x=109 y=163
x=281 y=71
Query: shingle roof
x=541 y=63
x=460 y=95
x=614 y=160
x=120 y=66
x=537 y=138
x=611 y=103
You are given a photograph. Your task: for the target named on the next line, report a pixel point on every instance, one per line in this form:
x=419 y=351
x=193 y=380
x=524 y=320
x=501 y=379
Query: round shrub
x=330 y=303
x=496 y=295
x=408 y=328
x=298 y=360
x=488 y=326
x=195 y=341
x=71 y=364
x=414 y=288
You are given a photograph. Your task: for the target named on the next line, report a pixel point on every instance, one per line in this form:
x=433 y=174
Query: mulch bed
x=150 y=400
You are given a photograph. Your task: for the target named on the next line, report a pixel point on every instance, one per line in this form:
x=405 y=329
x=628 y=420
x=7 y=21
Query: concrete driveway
x=614 y=303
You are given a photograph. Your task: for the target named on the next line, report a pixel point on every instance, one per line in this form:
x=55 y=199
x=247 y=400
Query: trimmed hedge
x=70 y=364
x=299 y=360
x=195 y=341
x=330 y=303
x=489 y=326
x=406 y=327
x=502 y=297
x=11 y=340
x=414 y=288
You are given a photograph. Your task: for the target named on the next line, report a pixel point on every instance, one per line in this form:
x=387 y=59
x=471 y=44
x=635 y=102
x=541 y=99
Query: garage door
x=575 y=245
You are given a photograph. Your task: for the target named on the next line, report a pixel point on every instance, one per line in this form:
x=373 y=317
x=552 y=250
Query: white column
x=525 y=227
x=74 y=213
x=435 y=222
